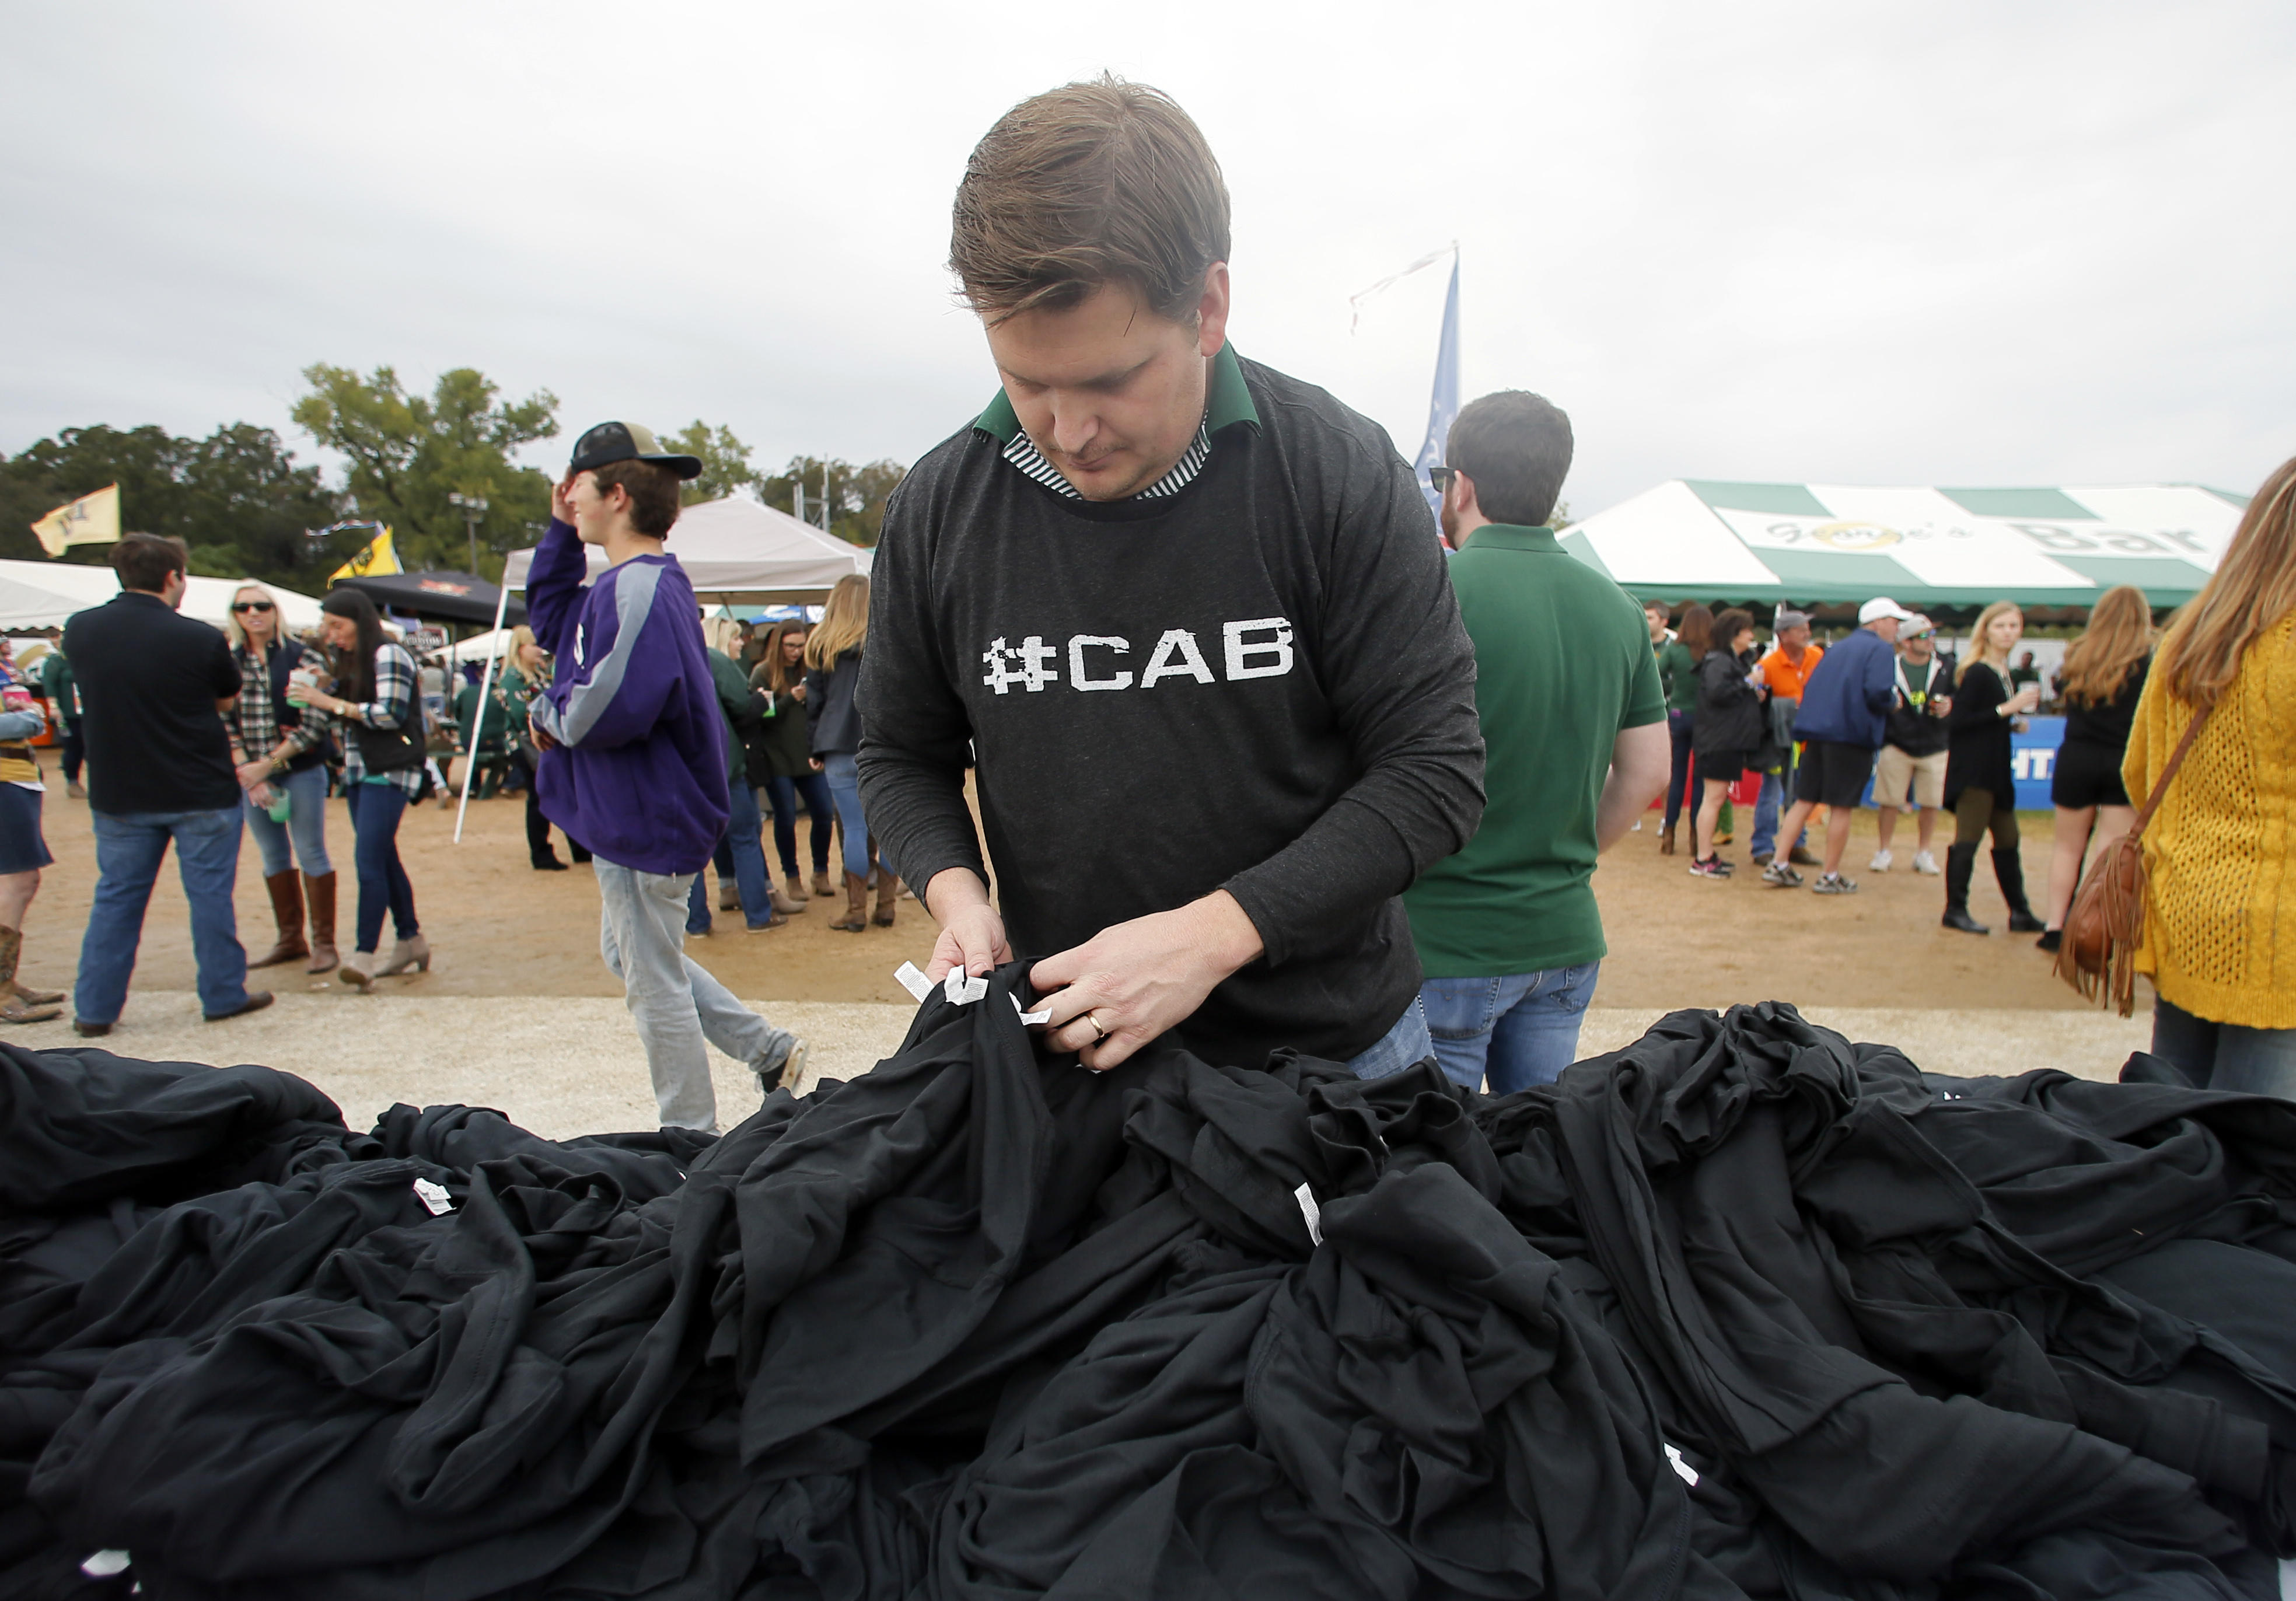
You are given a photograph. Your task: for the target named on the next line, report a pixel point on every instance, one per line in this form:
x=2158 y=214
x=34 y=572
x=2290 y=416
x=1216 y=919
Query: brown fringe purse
x=2106 y=928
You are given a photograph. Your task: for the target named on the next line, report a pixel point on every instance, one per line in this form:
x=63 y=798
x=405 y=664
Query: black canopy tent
x=439 y=597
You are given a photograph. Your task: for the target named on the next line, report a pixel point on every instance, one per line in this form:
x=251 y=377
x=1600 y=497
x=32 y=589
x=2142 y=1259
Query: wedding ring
x=1098 y=1033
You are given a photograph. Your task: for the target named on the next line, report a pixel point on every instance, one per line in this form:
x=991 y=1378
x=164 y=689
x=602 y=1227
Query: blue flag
x=1444 y=404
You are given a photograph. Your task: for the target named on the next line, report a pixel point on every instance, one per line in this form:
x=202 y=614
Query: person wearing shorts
x=1843 y=720
x=23 y=852
x=1913 y=754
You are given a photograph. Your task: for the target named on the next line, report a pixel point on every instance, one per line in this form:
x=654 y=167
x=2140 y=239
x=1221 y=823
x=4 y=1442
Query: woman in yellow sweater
x=2220 y=901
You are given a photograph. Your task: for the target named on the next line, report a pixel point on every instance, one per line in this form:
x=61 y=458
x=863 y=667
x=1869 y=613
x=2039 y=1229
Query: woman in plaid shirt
x=279 y=750
x=382 y=722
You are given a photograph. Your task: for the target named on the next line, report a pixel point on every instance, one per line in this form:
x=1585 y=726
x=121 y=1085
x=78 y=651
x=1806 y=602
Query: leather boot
x=287 y=911
x=791 y=896
x=857 y=905
x=1665 y=841
x=889 y=895
x=15 y=1004
x=822 y=886
x=1960 y=862
x=404 y=954
x=319 y=895
x=2009 y=873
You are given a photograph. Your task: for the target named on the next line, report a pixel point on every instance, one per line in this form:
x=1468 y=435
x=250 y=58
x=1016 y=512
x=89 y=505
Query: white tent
x=42 y=595
x=1694 y=539
x=477 y=647
x=736 y=549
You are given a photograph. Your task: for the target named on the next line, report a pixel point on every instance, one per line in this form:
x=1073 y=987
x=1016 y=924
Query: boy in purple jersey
x=633 y=756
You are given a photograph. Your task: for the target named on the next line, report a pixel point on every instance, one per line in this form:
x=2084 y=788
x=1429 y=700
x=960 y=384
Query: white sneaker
x=1881 y=862
x=1924 y=862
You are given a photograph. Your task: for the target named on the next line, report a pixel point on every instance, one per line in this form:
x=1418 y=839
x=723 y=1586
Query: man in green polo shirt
x=1576 y=747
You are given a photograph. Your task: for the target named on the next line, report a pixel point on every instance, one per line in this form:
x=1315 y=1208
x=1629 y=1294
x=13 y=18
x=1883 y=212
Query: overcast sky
x=1990 y=243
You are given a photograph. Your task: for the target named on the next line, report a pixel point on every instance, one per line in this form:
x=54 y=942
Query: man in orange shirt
x=1784 y=669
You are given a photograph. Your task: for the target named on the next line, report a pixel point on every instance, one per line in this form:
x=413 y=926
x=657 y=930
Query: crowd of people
x=1258 y=763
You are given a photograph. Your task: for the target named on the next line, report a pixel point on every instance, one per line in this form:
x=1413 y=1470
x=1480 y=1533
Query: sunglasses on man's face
x=251 y=605
x=1442 y=477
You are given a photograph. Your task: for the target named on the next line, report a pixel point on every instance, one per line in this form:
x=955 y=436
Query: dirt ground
x=519 y=1013
x=499 y=928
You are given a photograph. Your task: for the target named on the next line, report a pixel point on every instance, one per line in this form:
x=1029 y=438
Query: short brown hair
x=1089 y=183
x=1516 y=446
x=144 y=561
x=652 y=491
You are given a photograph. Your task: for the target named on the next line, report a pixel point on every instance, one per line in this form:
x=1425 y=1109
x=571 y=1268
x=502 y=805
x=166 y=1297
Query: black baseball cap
x=627 y=442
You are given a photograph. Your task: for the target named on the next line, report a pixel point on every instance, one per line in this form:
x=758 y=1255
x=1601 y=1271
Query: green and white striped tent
x=1697 y=539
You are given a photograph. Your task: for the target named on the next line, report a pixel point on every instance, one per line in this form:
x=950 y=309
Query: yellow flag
x=91 y=520
x=376 y=555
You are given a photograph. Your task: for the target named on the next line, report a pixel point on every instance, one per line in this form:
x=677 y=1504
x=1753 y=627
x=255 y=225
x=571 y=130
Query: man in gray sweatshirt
x=1189 y=615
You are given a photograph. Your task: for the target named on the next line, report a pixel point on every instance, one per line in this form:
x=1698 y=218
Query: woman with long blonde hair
x=2219 y=938
x=1980 y=788
x=279 y=751
x=2103 y=675
x=832 y=660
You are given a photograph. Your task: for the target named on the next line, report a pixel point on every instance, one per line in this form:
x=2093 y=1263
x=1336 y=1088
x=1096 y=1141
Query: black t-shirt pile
x=1740 y=1310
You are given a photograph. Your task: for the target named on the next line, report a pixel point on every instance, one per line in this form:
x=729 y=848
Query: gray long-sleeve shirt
x=1260 y=683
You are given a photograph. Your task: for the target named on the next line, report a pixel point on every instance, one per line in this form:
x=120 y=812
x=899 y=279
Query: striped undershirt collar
x=1023 y=453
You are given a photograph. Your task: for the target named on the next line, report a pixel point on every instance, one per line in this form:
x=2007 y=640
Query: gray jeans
x=676 y=1003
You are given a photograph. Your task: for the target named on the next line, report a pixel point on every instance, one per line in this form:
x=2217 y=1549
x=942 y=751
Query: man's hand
x=971 y=933
x=1127 y=984
x=540 y=736
x=562 y=505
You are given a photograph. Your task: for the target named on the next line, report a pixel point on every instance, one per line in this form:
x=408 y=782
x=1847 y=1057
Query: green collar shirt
x=1562 y=664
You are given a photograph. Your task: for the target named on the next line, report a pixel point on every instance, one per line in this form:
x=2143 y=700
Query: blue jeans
x=306 y=824
x=2224 y=1055
x=1765 y=812
x=1515 y=1032
x=375 y=811
x=815 y=788
x=1678 y=730
x=1400 y=1047
x=739 y=856
x=845 y=791
x=129 y=847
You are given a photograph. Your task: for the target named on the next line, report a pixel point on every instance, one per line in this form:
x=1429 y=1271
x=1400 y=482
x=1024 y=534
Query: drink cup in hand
x=301 y=682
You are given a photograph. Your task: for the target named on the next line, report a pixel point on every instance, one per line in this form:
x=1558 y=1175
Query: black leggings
x=1975 y=812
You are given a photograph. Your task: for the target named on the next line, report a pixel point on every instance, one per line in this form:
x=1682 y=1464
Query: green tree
x=236 y=498
x=406 y=453
x=725 y=461
x=856 y=495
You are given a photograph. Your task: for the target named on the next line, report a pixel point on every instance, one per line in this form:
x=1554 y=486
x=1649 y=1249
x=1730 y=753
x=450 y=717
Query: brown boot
x=319 y=895
x=857 y=905
x=15 y=1005
x=1666 y=842
x=821 y=887
x=889 y=895
x=793 y=898
x=287 y=911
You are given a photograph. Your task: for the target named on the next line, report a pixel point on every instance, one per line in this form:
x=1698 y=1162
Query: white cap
x=1881 y=605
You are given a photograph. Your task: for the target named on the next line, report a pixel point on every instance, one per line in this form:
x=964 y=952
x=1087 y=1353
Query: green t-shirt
x=1563 y=663
x=1678 y=675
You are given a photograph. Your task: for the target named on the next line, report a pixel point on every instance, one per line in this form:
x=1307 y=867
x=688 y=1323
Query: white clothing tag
x=1309 y=1210
x=103 y=1564
x=433 y=1195
x=961 y=990
x=1688 y=1474
x=909 y=979
x=1030 y=1020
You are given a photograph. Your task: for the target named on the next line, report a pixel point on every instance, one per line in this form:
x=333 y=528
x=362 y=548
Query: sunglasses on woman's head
x=251 y=605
